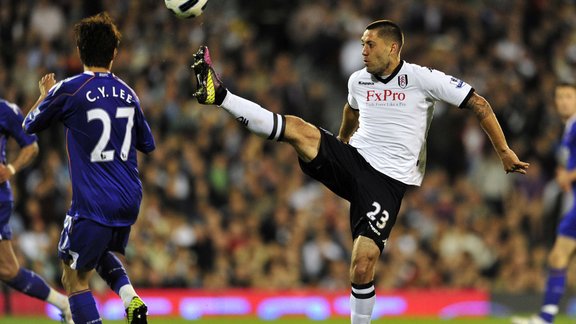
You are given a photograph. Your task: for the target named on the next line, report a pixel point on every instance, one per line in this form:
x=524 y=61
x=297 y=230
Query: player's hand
x=46 y=83
x=511 y=162
x=5 y=173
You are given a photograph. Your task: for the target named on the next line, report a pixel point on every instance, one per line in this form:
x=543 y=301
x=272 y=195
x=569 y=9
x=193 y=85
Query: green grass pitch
x=295 y=320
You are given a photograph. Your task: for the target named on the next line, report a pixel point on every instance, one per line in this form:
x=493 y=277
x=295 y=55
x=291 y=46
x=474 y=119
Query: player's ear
x=393 y=48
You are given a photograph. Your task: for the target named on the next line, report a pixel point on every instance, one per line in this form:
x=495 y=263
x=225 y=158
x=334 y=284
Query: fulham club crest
x=403 y=81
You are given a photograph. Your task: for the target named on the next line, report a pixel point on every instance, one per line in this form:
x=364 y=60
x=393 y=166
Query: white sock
x=127 y=292
x=258 y=120
x=362 y=300
x=57 y=299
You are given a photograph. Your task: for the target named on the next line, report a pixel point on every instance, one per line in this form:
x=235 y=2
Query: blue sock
x=83 y=307
x=554 y=290
x=111 y=270
x=30 y=283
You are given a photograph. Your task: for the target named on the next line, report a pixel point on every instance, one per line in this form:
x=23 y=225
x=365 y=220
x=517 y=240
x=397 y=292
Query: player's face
x=377 y=53
x=565 y=98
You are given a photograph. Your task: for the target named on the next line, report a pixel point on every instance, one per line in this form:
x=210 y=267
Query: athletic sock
x=83 y=307
x=555 y=286
x=127 y=293
x=258 y=120
x=30 y=283
x=57 y=299
x=111 y=270
x=362 y=300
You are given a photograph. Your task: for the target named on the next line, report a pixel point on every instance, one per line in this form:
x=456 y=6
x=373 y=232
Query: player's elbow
x=32 y=150
x=147 y=148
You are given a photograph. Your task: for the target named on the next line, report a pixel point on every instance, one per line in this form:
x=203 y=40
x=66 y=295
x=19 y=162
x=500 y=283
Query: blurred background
x=225 y=209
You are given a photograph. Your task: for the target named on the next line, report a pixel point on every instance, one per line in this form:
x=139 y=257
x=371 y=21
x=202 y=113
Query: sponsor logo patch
x=457 y=82
x=384 y=95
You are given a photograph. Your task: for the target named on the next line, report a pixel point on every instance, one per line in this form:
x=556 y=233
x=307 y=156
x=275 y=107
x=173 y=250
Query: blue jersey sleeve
x=569 y=142
x=49 y=110
x=12 y=125
x=144 y=139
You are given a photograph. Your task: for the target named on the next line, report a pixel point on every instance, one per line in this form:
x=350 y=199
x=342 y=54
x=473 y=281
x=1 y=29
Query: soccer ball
x=186 y=8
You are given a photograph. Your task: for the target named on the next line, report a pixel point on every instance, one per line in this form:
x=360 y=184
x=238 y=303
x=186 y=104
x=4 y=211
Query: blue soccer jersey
x=567 y=225
x=569 y=143
x=11 y=126
x=104 y=127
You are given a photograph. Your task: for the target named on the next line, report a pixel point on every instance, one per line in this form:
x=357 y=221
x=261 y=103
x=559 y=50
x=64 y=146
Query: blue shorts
x=5 y=213
x=567 y=226
x=83 y=242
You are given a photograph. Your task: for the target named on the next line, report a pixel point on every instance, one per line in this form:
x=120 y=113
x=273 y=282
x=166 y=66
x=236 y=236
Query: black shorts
x=374 y=197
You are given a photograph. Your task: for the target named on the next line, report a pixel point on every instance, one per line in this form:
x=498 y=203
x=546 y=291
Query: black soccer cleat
x=137 y=312
x=209 y=88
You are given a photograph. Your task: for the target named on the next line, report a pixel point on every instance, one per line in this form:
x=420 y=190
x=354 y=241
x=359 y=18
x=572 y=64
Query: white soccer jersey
x=395 y=114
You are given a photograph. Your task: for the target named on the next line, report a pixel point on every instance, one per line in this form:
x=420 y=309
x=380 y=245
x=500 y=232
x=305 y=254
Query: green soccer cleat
x=210 y=89
x=136 y=311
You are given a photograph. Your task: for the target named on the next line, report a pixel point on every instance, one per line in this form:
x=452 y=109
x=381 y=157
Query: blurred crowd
x=223 y=208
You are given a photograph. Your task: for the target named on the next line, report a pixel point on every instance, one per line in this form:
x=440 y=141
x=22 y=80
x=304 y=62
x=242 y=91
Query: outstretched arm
x=349 y=123
x=491 y=127
x=25 y=156
x=33 y=123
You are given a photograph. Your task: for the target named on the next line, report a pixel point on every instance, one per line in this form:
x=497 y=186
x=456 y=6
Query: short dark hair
x=388 y=29
x=97 y=37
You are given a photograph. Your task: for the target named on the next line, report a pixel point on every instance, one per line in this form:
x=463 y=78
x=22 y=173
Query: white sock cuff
x=362 y=305
x=57 y=299
x=126 y=293
x=228 y=100
x=550 y=309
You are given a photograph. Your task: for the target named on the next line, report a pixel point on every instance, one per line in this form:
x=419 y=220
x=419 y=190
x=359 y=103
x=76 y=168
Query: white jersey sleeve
x=351 y=100
x=442 y=87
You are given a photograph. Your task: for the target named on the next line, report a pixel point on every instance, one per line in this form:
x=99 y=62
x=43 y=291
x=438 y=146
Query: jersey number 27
x=99 y=154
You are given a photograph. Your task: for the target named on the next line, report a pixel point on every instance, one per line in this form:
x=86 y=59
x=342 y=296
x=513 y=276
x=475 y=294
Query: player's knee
x=66 y=282
x=558 y=259
x=70 y=282
x=8 y=272
x=304 y=137
x=362 y=269
x=299 y=131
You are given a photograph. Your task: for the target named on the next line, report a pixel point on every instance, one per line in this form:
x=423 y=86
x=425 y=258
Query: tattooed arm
x=491 y=127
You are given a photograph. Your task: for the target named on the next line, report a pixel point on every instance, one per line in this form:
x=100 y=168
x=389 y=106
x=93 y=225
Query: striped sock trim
x=78 y=292
x=363 y=291
x=556 y=272
x=278 y=127
x=274 y=126
x=282 y=129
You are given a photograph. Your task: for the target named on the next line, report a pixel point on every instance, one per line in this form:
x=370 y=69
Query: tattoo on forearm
x=479 y=106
